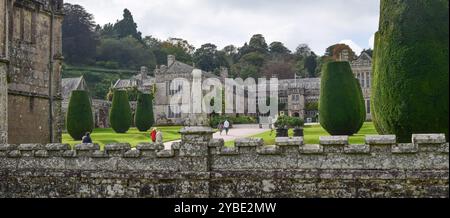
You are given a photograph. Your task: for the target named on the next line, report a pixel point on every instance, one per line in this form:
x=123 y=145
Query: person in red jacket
x=153 y=134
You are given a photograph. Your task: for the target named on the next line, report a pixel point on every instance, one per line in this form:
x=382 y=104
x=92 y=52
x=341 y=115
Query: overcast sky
x=319 y=23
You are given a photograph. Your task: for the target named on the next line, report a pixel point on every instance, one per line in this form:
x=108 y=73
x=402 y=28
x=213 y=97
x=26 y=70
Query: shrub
x=216 y=119
x=79 y=119
x=120 y=116
x=244 y=120
x=340 y=100
x=296 y=122
x=410 y=88
x=143 y=118
x=282 y=122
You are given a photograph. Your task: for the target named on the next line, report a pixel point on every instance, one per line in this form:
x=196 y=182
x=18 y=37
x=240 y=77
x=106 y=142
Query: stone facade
x=362 y=68
x=200 y=166
x=294 y=94
x=30 y=71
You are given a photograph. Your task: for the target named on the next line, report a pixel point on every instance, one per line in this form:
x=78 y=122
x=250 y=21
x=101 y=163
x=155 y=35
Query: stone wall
x=31 y=55
x=3 y=104
x=200 y=166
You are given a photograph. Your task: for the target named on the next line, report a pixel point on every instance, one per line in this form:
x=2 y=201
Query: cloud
x=320 y=23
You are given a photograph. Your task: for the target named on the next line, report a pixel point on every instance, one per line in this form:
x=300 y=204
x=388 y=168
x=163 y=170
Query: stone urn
x=282 y=132
x=299 y=132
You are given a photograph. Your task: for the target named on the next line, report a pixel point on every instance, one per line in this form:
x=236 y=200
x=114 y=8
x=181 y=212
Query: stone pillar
x=3 y=103
x=194 y=147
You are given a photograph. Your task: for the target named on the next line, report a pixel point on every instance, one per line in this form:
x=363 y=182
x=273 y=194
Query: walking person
x=226 y=125
x=159 y=137
x=220 y=127
x=87 y=138
x=153 y=135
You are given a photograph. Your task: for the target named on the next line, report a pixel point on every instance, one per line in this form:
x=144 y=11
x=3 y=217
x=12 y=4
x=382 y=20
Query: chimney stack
x=144 y=72
x=170 y=60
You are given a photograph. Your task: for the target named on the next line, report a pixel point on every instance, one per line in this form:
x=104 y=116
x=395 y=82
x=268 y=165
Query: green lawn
x=313 y=133
x=133 y=136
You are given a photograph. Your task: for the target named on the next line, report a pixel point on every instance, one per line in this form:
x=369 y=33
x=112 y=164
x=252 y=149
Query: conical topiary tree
x=340 y=100
x=79 y=118
x=411 y=68
x=143 y=118
x=362 y=105
x=120 y=116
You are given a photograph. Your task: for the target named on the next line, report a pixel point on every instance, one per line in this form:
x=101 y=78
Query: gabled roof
x=125 y=83
x=71 y=84
x=182 y=68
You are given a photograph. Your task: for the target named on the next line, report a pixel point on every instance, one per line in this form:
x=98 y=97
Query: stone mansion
x=297 y=97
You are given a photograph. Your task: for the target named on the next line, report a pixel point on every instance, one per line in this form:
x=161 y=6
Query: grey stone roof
x=125 y=83
x=71 y=84
x=182 y=68
x=308 y=83
x=134 y=82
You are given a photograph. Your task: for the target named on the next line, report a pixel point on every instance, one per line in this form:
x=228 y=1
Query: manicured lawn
x=133 y=136
x=313 y=133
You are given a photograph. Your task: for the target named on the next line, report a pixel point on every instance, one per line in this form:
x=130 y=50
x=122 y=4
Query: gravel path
x=239 y=131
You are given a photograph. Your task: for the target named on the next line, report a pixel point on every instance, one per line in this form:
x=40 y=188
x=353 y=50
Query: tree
x=249 y=71
x=144 y=118
x=336 y=50
x=126 y=53
x=340 y=100
x=307 y=65
x=410 y=92
x=258 y=44
x=127 y=27
x=206 y=58
x=278 y=48
x=362 y=105
x=282 y=69
x=179 y=48
x=79 y=39
x=254 y=58
x=120 y=115
x=79 y=119
x=303 y=50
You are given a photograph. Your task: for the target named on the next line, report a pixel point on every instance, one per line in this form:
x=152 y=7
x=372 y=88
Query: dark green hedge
x=144 y=118
x=120 y=115
x=79 y=118
x=362 y=105
x=411 y=84
x=340 y=100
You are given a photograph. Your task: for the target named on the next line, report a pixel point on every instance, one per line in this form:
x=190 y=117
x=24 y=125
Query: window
x=175 y=113
x=178 y=87
x=368 y=107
